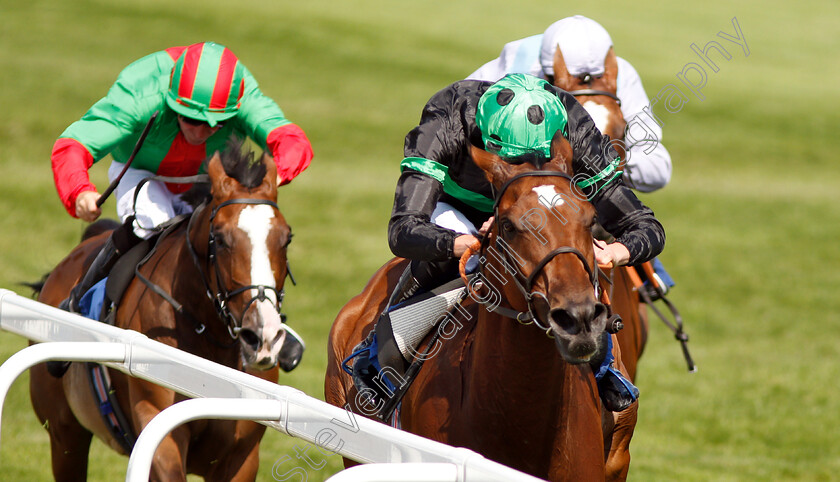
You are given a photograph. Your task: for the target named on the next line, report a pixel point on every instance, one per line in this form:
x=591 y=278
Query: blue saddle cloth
x=90 y=306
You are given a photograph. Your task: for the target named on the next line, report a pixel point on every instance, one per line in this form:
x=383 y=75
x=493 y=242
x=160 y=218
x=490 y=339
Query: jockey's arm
x=619 y=210
x=411 y=234
x=648 y=165
x=291 y=150
x=70 y=164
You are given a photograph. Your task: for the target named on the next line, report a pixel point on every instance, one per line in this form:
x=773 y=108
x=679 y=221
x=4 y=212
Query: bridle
x=525 y=286
x=592 y=92
x=586 y=79
x=222 y=295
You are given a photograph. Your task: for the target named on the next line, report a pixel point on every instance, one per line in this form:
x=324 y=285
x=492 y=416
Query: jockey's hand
x=86 y=208
x=613 y=253
x=485 y=228
x=462 y=242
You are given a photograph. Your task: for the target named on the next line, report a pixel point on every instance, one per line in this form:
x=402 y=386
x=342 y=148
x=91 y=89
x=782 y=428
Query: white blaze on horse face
x=547 y=194
x=599 y=114
x=255 y=221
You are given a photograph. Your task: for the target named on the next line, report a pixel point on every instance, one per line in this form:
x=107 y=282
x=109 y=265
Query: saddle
x=387 y=360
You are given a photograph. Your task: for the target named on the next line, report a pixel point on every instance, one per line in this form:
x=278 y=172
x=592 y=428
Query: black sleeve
x=619 y=210
x=443 y=137
x=411 y=234
x=632 y=223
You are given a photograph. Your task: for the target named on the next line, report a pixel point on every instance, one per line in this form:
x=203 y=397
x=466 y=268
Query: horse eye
x=508 y=227
x=220 y=241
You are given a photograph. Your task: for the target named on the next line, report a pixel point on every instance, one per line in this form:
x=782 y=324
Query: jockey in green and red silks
x=203 y=94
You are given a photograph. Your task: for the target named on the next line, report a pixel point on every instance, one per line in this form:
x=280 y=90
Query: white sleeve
x=491 y=71
x=648 y=166
x=520 y=56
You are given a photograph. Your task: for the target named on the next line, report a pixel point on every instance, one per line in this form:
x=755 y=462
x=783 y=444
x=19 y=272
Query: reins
x=525 y=288
x=222 y=296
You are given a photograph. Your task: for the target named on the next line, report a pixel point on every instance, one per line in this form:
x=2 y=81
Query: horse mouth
x=260 y=354
x=577 y=331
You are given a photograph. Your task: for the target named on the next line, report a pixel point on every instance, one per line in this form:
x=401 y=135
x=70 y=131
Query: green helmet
x=519 y=115
x=207 y=83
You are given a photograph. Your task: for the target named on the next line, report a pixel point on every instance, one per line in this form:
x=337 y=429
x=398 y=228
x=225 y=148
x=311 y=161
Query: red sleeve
x=291 y=150
x=70 y=164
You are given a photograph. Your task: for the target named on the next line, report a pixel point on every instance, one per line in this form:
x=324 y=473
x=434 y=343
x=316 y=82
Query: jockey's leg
x=663 y=280
x=118 y=243
x=421 y=276
x=617 y=392
x=150 y=206
x=121 y=240
x=140 y=212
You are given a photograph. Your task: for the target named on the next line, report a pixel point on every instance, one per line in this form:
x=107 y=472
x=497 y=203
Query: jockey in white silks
x=584 y=44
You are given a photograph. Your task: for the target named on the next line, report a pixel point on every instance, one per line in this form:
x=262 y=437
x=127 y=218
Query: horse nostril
x=566 y=322
x=250 y=338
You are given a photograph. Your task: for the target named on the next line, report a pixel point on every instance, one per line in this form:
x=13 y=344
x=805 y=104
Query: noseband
x=222 y=296
x=526 y=286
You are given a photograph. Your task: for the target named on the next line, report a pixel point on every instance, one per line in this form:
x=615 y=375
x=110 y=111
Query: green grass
x=752 y=213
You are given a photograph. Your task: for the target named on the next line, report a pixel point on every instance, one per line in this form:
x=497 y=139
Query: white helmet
x=583 y=42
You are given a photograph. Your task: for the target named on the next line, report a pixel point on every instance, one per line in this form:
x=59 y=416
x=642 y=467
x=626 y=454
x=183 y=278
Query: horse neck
x=523 y=352
x=517 y=383
x=189 y=288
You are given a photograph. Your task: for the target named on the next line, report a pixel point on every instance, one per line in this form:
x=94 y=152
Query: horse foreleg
x=147 y=401
x=618 y=458
x=618 y=430
x=69 y=440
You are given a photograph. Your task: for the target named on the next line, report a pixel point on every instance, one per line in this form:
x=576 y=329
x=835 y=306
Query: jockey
x=203 y=95
x=442 y=197
x=584 y=44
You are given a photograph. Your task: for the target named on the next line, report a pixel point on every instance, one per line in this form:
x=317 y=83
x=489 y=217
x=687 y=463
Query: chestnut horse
x=493 y=384
x=226 y=267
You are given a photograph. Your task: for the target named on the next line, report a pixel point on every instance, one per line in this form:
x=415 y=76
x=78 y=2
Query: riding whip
x=137 y=146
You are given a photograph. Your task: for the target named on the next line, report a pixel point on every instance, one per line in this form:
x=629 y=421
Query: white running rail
x=297 y=414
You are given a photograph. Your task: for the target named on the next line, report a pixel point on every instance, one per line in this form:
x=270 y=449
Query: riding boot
x=98 y=269
x=121 y=240
x=389 y=352
x=617 y=392
x=366 y=367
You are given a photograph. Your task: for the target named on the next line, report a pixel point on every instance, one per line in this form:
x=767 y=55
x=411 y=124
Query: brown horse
x=233 y=245
x=495 y=385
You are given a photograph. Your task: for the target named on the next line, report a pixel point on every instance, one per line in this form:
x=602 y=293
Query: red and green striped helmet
x=207 y=83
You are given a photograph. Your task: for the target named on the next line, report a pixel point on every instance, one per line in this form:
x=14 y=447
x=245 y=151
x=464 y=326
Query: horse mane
x=238 y=163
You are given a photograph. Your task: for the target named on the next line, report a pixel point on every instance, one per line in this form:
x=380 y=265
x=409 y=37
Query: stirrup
x=366 y=370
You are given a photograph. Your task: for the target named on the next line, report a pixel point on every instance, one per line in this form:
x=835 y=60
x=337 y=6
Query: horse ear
x=496 y=170
x=270 y=180
x=610 y=70
x=561 y=153
x=562 y=77
x=221 y=182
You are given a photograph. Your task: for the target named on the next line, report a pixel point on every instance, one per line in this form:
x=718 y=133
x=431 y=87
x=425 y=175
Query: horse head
x=541 y=237
x=596 y=94
x=246 y=265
